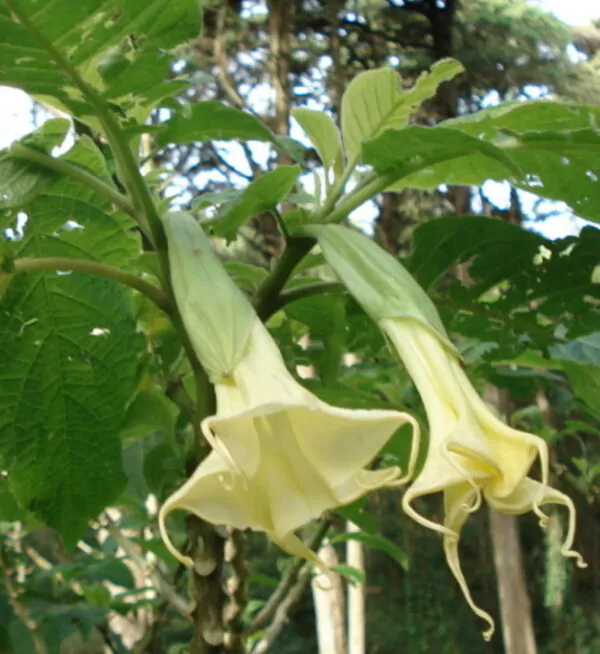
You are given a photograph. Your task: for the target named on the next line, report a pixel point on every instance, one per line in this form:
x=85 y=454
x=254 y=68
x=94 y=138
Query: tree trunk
x=356 y=596
x=515 y=607
x=513 y=596
x=328 y=597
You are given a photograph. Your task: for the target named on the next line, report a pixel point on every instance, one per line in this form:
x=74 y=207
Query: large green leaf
x=556 y=145
x=374 y=102
x=263 y=194
x=324 y=135
x=119 y=47
x=523 y=117
x=580 y=359
x=444 y=242
x=21 y=181
x=562 y=166
x=213 y=120
x=67 y=357
x=415 y=155
x=509 y=269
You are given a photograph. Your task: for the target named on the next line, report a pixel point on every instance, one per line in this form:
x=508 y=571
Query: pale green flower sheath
x=281 y=457
x=471 y=452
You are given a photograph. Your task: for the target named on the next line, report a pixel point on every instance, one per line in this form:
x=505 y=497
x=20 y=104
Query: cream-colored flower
x=280 y=457
x=472 y=453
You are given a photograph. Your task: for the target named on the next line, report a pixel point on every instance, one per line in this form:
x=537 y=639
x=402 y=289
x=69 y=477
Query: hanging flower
x=281 y=457
x=472 y=453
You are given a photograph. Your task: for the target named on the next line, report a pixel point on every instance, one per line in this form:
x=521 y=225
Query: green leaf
x=376 y=542
x=562 y=166
x=246 y=275
x=68 y=357
x=5 y=280
x=150 y=411
x=357 y=514
x=585 y=380
x=213 y=120
x=159 y=465
x=585 y=349
x=417 y=155
x=10 y=510
x=349 y=572
x=556 y=145
x=111 y=569
x=97 y=596
x=523 y=117
x=21 y=181
x=373 y=102
x=325 y=316
x=67 y=364
x=324 y=135
x=263 y=194
x=580 y=360
x=444 y=242
x=118 y=47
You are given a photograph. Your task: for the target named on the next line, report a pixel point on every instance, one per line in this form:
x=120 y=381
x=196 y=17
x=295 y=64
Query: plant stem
x=307 y=290
x=360 y=195
x=268 y=611
x=145 y=210
x=265 y=300
x=20 y=151
x=152 y=292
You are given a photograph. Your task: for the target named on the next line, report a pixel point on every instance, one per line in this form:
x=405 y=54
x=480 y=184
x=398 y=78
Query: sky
x=16 y=116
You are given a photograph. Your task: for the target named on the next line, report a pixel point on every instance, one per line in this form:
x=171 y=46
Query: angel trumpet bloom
x=281 y=457
x=472 y=453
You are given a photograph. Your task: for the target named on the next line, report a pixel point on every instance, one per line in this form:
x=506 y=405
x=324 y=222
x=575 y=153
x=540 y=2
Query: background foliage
x=95 y=392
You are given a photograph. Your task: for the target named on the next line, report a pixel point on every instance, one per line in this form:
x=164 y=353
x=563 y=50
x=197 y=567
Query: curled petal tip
x=182 y=558
x=572 y=554
x=488 y=633
x=474 y=506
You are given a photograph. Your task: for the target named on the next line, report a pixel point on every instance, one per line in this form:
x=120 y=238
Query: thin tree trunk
x=515 y=607
x=328 y=597
x=513 y=596
x=356 y=595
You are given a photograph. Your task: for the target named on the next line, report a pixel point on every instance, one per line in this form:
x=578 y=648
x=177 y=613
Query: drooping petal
x=213 y=494
x=530 y=493
x=457 y=502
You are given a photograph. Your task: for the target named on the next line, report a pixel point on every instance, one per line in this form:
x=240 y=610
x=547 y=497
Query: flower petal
x=458 y=502
x=341 y=442
x=213 y=494
x=529 y=494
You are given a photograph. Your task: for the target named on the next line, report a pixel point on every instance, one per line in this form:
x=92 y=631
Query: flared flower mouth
x=281 y=457
x=472 y=453
x=275 y=468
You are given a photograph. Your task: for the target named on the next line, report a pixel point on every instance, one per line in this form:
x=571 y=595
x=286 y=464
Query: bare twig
x=163 y=587
x=287 y=584
x=222 y=60
x=283 y=610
